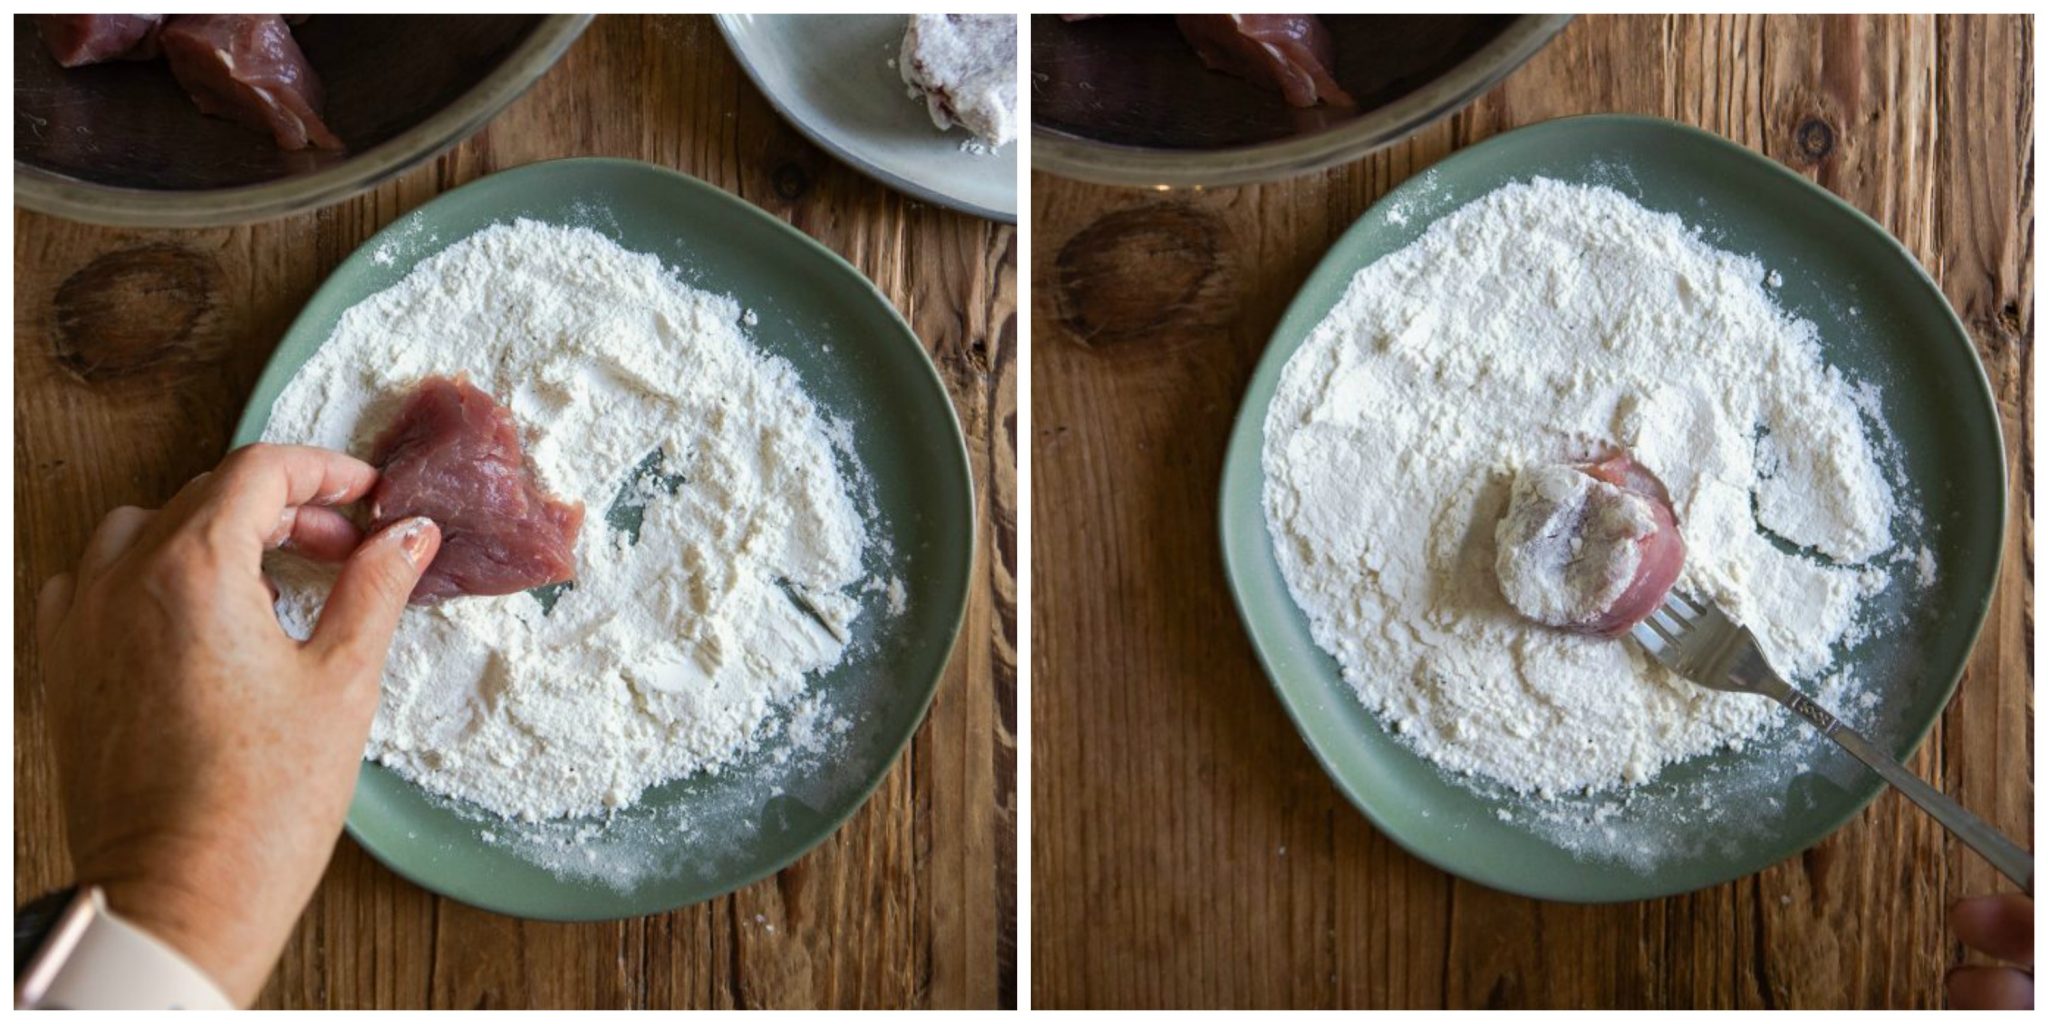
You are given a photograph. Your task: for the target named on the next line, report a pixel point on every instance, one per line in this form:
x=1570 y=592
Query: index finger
x=2001 y=926
x=255 y=485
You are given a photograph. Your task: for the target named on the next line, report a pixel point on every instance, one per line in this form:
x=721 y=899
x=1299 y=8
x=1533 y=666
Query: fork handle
x=2007 y=856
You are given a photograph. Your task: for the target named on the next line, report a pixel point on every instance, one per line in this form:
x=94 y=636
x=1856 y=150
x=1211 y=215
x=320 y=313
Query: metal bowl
x=1125 y=101
x=120 y=143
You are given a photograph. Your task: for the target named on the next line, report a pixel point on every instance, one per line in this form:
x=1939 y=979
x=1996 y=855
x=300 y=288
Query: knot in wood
x=1815 y=138
x=1140 y=273
x=792 y=182
x=135 y=310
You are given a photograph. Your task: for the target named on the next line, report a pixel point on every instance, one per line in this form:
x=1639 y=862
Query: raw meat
x=248 y=68
x=1663 y=551
x=1588 y=549
x=453 y=455
x=1291 y=53
x=76 y=40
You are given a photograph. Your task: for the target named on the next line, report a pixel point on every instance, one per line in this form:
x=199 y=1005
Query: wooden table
x=130 y=385
x=1186 y=848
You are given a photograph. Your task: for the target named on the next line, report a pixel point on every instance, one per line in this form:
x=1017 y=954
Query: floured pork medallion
x=1589 y=549
x=964 y=67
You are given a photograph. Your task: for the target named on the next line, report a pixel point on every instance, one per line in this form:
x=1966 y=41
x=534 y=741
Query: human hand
x=206 y=758
x=2002 y=927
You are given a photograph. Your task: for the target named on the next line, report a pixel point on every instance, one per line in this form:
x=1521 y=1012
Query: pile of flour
x=679 y=642
x=1546 y=323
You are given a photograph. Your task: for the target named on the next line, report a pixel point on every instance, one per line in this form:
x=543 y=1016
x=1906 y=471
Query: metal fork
x=1700 y=642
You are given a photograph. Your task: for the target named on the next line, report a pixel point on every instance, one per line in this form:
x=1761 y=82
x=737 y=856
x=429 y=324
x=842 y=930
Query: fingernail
x=413 y=538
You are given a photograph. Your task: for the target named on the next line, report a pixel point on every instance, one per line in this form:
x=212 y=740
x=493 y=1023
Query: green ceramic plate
x=1880 y=320
x=697 y=838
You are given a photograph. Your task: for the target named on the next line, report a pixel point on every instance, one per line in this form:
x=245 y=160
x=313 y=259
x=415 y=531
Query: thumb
x=363 y=608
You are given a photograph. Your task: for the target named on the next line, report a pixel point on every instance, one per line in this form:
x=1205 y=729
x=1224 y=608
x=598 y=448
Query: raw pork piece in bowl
x=121 y=143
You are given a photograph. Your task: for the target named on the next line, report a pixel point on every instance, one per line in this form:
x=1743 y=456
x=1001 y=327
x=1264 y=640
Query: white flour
x=1543 y=323
x=673 y=653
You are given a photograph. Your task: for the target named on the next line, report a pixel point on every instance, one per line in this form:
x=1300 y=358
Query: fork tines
x=1681 y=606
x=1668 y=624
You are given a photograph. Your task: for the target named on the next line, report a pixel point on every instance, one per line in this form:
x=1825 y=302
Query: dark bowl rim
x=76 y=199
x=1103 y=163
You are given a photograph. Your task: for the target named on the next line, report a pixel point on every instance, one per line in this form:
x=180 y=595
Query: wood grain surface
x=1187 y=850
x=135 y=351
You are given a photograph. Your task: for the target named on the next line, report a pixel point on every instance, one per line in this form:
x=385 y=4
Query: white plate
x=834 y=77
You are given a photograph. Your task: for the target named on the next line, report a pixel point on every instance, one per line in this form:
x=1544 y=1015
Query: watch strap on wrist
x=32 y=924
x=90 y=959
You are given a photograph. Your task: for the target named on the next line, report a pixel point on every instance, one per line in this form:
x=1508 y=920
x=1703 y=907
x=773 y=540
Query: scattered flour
x=1923 y=566
x=402 y=241
x=705 y=833
x=717 y=565
x=1543 y=323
